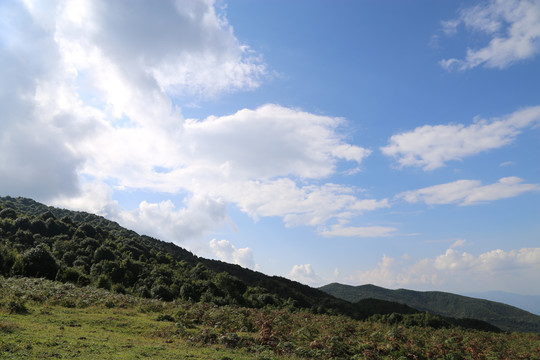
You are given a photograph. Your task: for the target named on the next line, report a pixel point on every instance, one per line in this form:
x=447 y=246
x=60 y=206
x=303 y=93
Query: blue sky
x=385 y=142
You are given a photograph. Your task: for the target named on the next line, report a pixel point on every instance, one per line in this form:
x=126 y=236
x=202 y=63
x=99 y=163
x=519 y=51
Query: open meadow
x=42 y=319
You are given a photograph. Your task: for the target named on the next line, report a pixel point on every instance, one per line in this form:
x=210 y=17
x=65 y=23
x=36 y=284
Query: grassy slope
x=41 y=319
x=62 y=321
x=506 y=317
x=92 y=333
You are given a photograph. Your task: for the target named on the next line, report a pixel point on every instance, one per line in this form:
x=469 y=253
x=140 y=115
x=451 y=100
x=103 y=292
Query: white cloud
x=32 y=163
x=227 y=252
x=513 y=27
x=100 y=100
x=182 y=46
x=292 y=142
x=199 y=216
x=305 y=275
x=511 y=271
x=458 y=243
x=312 y=205
x=95 y=197
x=358 y=231
x=432 y=147
x=386 y=273
x=95 y=66
x=469 y=192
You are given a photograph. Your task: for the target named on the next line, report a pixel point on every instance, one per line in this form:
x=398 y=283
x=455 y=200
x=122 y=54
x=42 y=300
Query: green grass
x=48 y=332
x=42 y=319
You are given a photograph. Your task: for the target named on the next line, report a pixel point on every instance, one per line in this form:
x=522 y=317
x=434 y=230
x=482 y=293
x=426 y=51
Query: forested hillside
x=86 y=249
x=81 y=248
x=506 y=317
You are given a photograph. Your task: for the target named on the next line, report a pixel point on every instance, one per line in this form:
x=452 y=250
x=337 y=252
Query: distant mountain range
x=530 y=303
x=506 y=317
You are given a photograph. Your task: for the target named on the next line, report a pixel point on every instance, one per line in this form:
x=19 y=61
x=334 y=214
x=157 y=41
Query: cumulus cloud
x=512 y=25
x=98 y=112
x=31 y=163
x=311 y=205
x=96 y=67
x=199 y=216
x=291 y=142
x=305 y=274
x=469 y=192
x=227 y=252
x=459 y=271
x=431 y=147
x=95 y=197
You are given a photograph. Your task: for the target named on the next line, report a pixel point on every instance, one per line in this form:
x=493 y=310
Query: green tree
x=8 y=213
x=38 y=262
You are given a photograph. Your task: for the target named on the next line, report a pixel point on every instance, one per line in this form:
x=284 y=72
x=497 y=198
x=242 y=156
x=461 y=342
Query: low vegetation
x=41 y=318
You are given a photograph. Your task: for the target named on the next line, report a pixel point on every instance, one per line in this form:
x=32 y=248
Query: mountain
x=85 y=249
x=506 y=317
x=530 y=303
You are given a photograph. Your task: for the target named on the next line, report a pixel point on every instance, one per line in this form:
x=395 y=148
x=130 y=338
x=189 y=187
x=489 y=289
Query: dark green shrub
x=38 y=262
x=8 y=214
x=88 y=230
x=68 y=275
x=103 y=282
x=38 y=227
x=16 y=305
x=165 y=317
x=47 y=215
x=23 y=223
x=24 y=237
x=162 y=292
x=83 y=280
x=69 y=257
x=103 y=253
x=119 y=289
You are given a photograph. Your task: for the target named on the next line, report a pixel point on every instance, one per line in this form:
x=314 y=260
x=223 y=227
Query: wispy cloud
x=431 y=147
x=358 y=231
x=469 y=192
x=512 y=25
x=458 y=243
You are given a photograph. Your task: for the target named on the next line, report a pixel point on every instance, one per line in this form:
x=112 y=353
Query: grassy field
x=49 y=332
x=42 y=319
